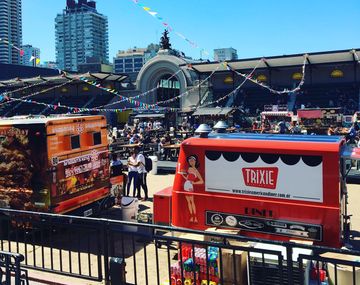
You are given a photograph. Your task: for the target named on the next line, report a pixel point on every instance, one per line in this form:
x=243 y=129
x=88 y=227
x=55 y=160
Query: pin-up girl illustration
x=192 y=177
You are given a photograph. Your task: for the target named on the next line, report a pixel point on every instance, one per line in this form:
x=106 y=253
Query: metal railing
x=83 y=248
x=10 y=269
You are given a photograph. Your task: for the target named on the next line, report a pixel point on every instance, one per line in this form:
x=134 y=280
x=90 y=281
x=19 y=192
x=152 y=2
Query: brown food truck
x=55 y=164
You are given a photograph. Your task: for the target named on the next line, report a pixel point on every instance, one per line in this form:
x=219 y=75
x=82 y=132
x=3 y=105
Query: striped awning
x=279 y=113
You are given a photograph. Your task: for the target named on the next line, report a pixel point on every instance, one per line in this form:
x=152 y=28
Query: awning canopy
x=155 y=115
x=281 y=61
x=279 y=113
x=212 y=111
x=310 y=114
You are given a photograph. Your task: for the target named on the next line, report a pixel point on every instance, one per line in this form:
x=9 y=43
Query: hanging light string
x=142 y=94
x=188 y=91
x=176 y=97
x=116 y=93
x=7 y=93
x=80 y=109
x=263 y=85
x=39 y=92
x=6 y=96
x=234 y=92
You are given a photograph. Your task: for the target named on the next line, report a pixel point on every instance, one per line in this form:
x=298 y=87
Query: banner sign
x=266 y=226
x=280 y=176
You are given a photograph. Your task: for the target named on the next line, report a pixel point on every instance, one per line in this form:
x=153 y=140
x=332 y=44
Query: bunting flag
x=32 y=58
x=235 y=91
x=35 y=93
x=152 y=13
x=263 y=85
x=130 y=100
x=80 y=110
x=167 y=25
x=37 y=61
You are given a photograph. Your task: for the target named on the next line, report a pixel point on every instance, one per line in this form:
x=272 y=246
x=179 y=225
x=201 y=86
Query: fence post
x=106 y=252
x=289 y=263
x=17 y=271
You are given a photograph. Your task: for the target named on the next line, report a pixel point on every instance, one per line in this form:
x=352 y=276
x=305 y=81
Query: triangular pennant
x=152 y=13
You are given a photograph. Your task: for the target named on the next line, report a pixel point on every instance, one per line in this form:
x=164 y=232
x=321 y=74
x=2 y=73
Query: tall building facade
x=131 y=60
x=30 y=55
x=81 y=32
x=10 y=31
x=222 y=54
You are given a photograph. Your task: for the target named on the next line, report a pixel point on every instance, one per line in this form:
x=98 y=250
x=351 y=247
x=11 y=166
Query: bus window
x=97 y=138
x=75 y=142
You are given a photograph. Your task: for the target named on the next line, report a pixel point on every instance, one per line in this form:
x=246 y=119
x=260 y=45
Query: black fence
x=125 y=253
x=10 y=269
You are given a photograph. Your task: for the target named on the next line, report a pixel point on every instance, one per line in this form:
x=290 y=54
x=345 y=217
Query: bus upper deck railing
x=152 y=254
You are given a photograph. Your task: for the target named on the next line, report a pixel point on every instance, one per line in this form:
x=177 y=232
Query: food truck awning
x=279 y=113
x=310 y=114
x=212 y=111
x=154 y=115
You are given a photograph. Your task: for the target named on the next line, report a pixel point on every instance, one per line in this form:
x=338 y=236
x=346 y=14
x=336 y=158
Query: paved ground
x=156 y=183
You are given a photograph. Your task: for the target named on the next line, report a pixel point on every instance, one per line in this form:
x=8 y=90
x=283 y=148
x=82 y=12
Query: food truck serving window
x=75 y=142
x=97 y=138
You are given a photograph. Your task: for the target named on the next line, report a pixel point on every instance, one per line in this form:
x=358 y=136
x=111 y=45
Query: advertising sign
x=267 y=226
x=280 y=176
x=85 y=172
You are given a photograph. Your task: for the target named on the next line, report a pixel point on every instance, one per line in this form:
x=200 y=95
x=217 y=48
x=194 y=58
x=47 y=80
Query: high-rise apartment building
x=31 y=54
x=131 y=60
x=222 y=54
x=81 y=32
x=10 y=31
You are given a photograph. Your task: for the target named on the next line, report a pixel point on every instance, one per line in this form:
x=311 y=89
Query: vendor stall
x=318 y=121
x=271 y=119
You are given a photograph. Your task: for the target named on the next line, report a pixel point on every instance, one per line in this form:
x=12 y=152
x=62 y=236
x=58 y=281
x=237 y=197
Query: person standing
x=132 y=173
x=142 y=175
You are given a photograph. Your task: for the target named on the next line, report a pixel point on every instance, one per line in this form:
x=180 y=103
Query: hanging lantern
x=228 y=80
x=337 y=73
x=261 y=78
x=297 y=76
x=64 y=90
x=85 y=88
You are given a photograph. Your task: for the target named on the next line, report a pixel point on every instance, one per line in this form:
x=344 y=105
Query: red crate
x=162 y=206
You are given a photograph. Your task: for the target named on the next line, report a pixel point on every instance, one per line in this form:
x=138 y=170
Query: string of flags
x=6 y=94
x=234 y=92
x=263 y=85
x=166 y=25
x=21 y=51
x=176 y=97
x=141 y=94
x=80 y=109
x=188 y=91
x=116 y=93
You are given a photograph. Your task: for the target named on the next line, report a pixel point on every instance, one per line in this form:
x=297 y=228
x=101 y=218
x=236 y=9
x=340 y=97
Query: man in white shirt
x=142 y=173
x=132 y=173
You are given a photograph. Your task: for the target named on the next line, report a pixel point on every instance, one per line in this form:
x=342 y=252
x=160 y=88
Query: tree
x=165 y=41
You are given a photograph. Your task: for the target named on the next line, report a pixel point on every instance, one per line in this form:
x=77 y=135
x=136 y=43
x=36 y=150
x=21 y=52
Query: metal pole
x=289 y=263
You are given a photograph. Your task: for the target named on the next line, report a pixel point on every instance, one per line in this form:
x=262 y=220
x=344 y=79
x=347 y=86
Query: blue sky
x=254 y=28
